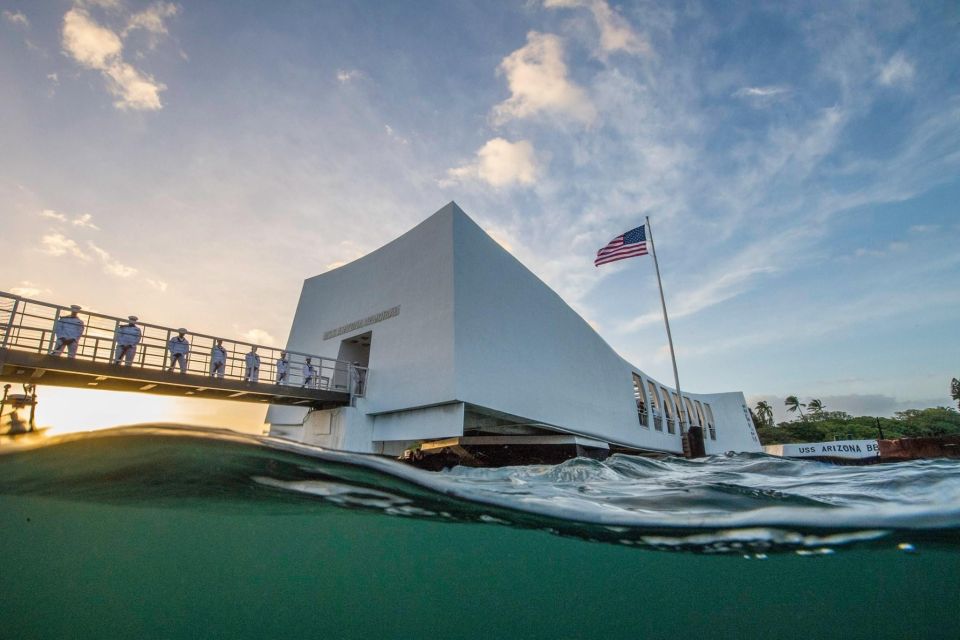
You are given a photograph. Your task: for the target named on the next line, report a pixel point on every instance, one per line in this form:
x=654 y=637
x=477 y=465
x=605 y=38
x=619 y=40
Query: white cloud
x=53 y=215
x=84 y=220
x=159 y=285
x=28 y=289
x=500 y=163
x=57 y=244
x=537 y=77
x=153 y=18
x=347 y=75
x=110 y=265
x=258 y=336
x=16 y=18
x=616 y=34
x=761 y=92
x=97 y=47
x=897 y=70
x=924 y=228
x=394 y=135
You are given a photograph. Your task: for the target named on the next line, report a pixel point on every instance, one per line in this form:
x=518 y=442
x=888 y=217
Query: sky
x=193 y=163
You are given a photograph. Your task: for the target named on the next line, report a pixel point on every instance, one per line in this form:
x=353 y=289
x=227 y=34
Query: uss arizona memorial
x=470 y=355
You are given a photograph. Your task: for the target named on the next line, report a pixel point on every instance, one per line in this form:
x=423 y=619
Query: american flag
x=630 y=244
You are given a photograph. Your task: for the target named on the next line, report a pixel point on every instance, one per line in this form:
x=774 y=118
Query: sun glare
x=70 y=410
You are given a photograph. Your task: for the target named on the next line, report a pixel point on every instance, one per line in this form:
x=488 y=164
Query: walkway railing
x=28 y=325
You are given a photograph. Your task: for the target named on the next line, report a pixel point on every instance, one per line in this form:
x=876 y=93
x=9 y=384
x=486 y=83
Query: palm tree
x=765 y=413
x=955 y=390
x=794 y=404
x=816 y=407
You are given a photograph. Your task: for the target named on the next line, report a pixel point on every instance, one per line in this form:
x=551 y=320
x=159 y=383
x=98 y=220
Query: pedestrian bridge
x=27 y=340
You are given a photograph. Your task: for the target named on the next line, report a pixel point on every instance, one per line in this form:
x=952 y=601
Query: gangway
x=27 y=341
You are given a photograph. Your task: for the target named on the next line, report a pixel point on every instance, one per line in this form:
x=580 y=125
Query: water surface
x=157 y=532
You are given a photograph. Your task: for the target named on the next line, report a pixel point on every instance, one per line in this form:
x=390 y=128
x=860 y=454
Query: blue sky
x=194 y=162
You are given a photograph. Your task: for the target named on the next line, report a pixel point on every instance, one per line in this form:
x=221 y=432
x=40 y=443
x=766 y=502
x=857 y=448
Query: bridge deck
x=33 y=368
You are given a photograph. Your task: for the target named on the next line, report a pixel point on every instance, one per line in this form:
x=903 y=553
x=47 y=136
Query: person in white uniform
x=127 y=338
x=218 y=359
x=253 y=366
x=309 y=373
x=179 y=347
x=283 y=367
x=68 y=330
x=357 y=375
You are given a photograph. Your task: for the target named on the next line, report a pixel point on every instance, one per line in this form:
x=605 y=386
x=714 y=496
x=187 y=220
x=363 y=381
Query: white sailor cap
x=181 y=330
x=132 y=318
x=75 y=307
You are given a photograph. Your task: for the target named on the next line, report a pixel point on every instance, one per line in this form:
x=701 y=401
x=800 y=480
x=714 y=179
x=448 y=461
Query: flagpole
x=685 y=417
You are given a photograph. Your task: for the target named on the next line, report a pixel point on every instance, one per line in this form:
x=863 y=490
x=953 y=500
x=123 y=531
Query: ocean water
x=164 y=532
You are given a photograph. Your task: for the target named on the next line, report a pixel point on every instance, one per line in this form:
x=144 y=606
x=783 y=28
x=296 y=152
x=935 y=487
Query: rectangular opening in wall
x=694 y=420
x=355 y=350
x=668 y=411
x=638 y=400
x=655 y=407
x=711 y=425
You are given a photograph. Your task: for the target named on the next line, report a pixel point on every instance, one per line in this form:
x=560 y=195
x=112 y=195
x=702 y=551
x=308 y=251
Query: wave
x=744 y=503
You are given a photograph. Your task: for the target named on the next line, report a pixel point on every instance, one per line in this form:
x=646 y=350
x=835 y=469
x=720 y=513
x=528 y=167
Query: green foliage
x=955 y=390
x=837 y=425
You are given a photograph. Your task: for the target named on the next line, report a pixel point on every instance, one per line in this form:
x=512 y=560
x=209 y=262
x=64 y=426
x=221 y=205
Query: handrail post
x=9 y=329
x=53 y=333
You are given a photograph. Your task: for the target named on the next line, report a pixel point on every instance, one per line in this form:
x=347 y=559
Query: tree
x=765 y=413
x=793 y=405
x=955 y=391
x=816 y=407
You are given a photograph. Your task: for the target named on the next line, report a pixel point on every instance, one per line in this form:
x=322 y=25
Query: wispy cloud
x=539 y=83
x=348 y=75
x=28 y=289
x=57 y=244
x=16 y=18
x=897 y=70
x=53 y=215
x=761 y=92
x=258 y=336
x=153 y=19
x=393 y=135
x=500 y=163
x=159 y=285
x=110 y=265
x=84 y=220
x=100 y=48
x=616 y=34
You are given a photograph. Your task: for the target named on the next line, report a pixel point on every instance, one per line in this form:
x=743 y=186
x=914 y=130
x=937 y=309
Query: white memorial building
x=470 y=354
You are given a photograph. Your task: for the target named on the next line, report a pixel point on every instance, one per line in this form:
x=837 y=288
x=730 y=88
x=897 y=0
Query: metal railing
x=29 y=325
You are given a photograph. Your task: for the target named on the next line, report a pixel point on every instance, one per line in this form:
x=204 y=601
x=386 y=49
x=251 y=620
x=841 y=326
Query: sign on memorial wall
x=365 y=322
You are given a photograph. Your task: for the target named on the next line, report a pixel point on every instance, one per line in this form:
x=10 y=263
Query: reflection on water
x=160 y=532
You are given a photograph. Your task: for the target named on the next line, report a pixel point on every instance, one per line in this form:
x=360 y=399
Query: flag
x=631 y=244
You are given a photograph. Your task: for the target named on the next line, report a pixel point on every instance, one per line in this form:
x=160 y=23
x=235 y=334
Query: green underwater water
x=81 y=570
x=161 y=532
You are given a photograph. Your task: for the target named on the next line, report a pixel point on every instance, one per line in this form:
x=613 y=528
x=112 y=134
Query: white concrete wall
x=411 y=355
x=476 y=326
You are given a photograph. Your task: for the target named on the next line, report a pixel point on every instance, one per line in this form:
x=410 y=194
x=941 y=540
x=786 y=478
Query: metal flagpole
x=666 y=321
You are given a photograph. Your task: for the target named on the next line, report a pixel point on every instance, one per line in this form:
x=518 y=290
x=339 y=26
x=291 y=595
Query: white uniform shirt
x=309 y=370
x=128 y=335
x=69 y=327
x=282 y=366
x=218 y=353
x=253 y=361
x=178 y=345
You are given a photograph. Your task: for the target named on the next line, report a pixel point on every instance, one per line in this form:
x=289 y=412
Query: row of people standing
x=69 y=329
